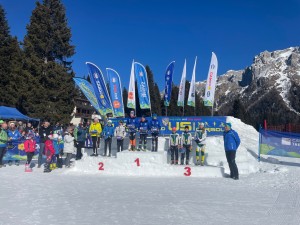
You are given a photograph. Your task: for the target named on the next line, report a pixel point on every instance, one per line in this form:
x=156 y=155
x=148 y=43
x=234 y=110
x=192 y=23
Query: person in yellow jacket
x=95 y=131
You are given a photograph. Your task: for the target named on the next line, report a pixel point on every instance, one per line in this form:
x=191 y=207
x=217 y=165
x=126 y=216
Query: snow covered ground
x=268 y=192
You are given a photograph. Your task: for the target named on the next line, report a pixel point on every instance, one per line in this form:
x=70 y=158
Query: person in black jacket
x=44 y=132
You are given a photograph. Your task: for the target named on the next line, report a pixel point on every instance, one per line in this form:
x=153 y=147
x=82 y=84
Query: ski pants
x=230 y=156
x=132 y=141
x=186 y=154
x=143 y=141
x=95 y=144
x=79 y=146
x=68 y=159
x=154 y=142
x=107 y=143
x=200 y=152
x=2 y=153
x=40 y=159
x=174 y=154
x=29 y=157
x=120 y=145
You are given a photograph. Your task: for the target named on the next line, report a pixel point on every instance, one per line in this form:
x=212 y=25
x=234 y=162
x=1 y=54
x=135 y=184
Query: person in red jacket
x=49 y=151
x=30 y=147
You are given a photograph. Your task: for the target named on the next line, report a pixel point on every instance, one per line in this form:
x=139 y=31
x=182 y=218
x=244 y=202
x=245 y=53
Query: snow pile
x=128 y=163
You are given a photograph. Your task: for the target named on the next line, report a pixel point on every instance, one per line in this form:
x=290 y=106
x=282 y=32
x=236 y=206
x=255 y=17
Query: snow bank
x=129 y=163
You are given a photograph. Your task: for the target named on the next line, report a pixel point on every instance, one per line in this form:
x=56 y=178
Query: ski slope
x=267 y=192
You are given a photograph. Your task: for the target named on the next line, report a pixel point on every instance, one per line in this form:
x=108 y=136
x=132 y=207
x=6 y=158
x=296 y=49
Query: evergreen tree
x=10 y=65
x=47 y=49
x=154 y=92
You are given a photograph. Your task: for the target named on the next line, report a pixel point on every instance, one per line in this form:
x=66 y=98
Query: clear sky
x=111 y=33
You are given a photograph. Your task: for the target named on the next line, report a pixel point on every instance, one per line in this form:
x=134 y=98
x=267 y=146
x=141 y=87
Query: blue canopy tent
x=13 y=113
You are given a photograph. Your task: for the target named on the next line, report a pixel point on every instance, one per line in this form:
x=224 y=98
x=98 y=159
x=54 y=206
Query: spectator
x=231 y=144
x=69 y=147
x=80 y=140
x=44 y=132
x=120 y=133
x=13 y=136
x=3 y=141
x=30 y=147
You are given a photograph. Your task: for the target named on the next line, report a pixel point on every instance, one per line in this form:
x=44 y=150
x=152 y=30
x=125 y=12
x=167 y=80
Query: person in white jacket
x=120 y=133
x=200 y=136
x=69 y=147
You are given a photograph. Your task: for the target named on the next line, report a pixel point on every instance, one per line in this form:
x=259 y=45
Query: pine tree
x=154 y=92
x=10 y=65
x=47 y=49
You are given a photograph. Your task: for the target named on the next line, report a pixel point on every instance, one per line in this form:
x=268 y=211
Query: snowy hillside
x=127 y=194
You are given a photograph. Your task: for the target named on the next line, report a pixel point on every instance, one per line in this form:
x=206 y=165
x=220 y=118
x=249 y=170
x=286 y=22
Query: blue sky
x=111 y=33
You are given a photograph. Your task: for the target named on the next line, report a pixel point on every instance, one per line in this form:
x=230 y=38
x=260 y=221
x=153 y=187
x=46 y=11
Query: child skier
x=186 y=140
x=131 y=128
x=200 y=136
x=49 y=151
x=143 y=129
x=30 y=147
x=120 y=133
x=108 y=133
x=155 y=129
x=69 y=147
x=174 y=143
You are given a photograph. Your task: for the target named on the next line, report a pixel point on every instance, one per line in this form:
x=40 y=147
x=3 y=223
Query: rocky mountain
x=268 y=89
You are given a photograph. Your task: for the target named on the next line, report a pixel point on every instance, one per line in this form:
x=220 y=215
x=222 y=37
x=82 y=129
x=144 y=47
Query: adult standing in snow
x=231 y=144
x=108 y=133
x=44 y=132
x=143 y=129
x=120 y=133
x=95 y=131
x=155 y=129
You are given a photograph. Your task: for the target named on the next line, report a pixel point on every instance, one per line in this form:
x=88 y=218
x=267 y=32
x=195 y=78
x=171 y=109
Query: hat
x=131 y=112
x=30 y=135
x=120 y=121
x=109 y=121
x=201 y=124
x=228 y=125
x=154 y=115
x=186 y=127
x=173 y=128
x=1 y=121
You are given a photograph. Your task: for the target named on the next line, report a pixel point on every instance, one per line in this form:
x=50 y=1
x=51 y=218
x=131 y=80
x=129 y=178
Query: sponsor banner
x=16 y=151
x=131 y=90
x=115 y=92
x=191 y=97
x=168 y=83
x=211 y=81
x=214 y=125
x=88 y=92
x=279 y=143
x=180 y=101
x=100 y=89
x=142 y=85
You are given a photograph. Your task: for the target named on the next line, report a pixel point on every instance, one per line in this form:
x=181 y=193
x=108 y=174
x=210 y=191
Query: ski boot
x=17 y=163
x=202 y=163
x=187 y=162
x=27 y=168
x=9 y=162
x=176 y=162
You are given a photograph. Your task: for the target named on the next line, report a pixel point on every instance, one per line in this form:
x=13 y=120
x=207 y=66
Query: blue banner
x=168 y=83
x=279 y=143
x=15 y=151
x=100 y=89
x=214 y=125
x=115 y=92
x=142 y=85
x=88 y=92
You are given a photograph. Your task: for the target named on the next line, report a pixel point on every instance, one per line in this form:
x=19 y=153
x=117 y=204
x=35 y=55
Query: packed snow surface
x=267 y=192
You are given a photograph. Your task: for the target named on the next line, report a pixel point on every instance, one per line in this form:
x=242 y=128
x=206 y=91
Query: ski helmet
x=201 y=124
x=174 y=129
x=154 y=116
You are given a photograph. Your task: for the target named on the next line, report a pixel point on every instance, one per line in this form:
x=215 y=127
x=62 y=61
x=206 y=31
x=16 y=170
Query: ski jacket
x=49 y=149
x=131 y=124
x=3 y=138
x=144 y=127
x=69 y=143
x=95 y=129
x=200 y=136
x=155 y=126
x=174 y=140
x=44 y=133
x=186 y=138
x=14 y=134
x=108 y=132
x=81 y=134
x=120 y=132
x=30 y=145
x=231 y=140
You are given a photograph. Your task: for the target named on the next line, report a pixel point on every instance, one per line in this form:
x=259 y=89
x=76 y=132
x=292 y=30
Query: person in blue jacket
x=108 y=133
x=155 y=129
x=231 y=144
x=143 y=129
x=14 y=136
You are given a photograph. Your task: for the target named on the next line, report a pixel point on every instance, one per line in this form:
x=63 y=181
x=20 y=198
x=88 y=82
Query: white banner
x=131 y=90
x=211 y=81
x=180 y=101
x=191 y=98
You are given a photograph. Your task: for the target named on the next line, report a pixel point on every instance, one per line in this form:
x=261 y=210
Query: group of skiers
x=54 y=142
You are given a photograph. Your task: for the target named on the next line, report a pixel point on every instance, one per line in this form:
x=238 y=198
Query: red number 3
x=188 y=171
x=101 y=165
